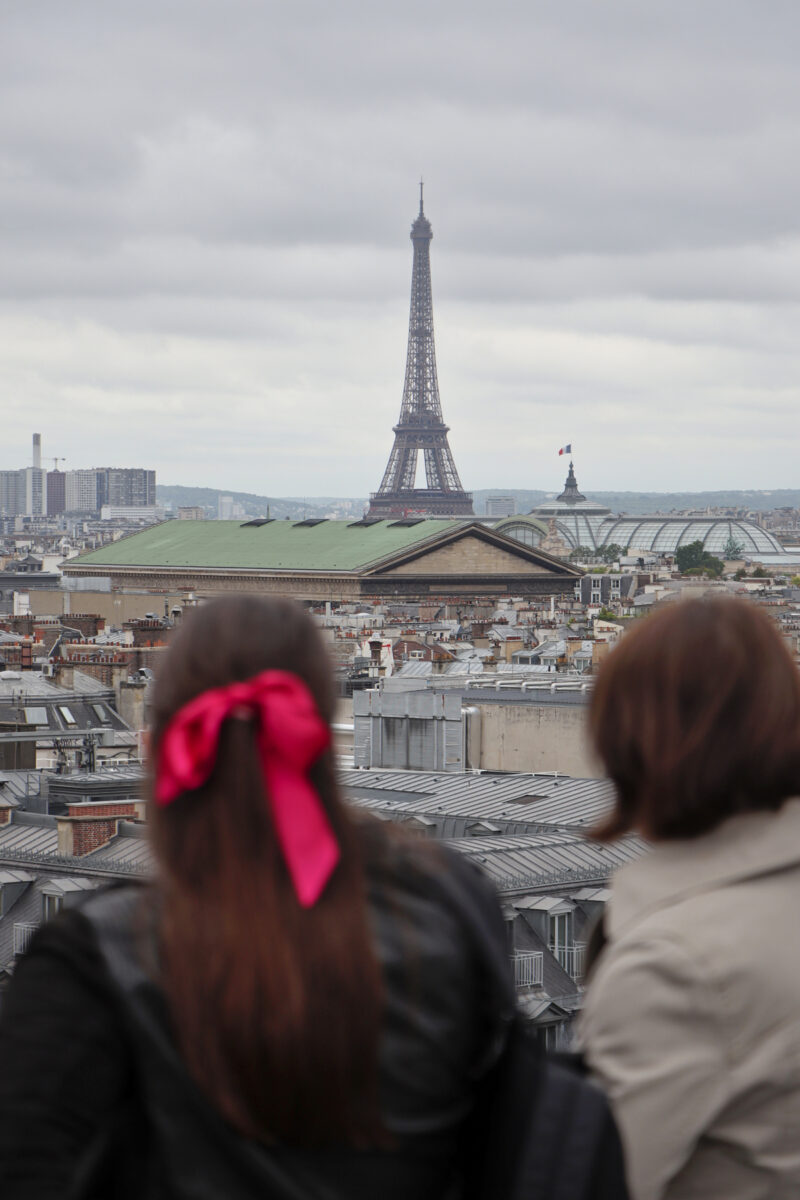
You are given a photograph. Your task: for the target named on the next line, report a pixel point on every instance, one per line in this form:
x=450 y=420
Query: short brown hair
x=696 y=717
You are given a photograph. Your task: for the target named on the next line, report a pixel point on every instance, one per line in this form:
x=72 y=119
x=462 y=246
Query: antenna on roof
x=421 y=184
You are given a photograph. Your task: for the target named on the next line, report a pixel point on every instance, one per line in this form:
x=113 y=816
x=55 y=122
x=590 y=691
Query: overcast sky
x=204 y=218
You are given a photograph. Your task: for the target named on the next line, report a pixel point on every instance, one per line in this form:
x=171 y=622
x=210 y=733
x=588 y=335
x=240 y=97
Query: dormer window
x=560 y=936
x=51 y=905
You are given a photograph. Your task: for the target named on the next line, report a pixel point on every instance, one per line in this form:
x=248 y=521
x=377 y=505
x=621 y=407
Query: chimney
x=375 y=647
x=92 y=825
x=131 y=704
x=37 y=450
x=119 y=675
x=65 y=675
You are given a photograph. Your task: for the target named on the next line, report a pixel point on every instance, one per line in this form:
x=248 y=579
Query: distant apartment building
x=9 y=493
x=118 y=487
x=150 y=513
x=23 y=493
x=56 y=492
x=191 y=512
x=229 y=509
x=129 y=487
x=501 y=506
x=605 y=588
x=33 y=491
x=83 y=491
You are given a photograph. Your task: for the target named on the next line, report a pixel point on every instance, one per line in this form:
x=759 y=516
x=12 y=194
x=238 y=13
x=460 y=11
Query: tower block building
x=421 y=426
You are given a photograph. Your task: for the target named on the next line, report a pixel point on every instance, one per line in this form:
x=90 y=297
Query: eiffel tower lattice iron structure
x=421 y=426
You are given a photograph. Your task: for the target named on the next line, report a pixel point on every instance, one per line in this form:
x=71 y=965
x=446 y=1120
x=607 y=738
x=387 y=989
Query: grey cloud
x=205 y=209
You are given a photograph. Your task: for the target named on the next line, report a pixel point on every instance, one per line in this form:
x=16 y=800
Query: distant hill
x=635 y=503
x=295 y=508
x=640 y=503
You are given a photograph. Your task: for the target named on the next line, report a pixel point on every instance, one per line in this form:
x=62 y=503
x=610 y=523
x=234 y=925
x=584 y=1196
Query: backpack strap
x=572 y=1147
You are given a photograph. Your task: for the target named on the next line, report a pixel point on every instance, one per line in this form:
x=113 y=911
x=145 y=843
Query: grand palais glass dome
x=580 y=522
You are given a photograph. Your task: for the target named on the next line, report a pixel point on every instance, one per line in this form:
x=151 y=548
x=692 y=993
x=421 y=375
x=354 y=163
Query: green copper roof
x=277 y=545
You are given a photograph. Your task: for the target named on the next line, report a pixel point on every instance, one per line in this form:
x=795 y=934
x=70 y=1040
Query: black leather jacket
x=448 y=1003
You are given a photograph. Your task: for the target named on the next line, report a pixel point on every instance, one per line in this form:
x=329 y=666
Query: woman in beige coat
x=692 y=1014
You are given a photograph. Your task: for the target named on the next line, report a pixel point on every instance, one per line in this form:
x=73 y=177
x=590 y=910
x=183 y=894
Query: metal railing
x=22 y=936
x=571 y=959
x=112 y=867
x=528 y=969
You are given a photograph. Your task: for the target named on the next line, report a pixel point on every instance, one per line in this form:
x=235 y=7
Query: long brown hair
x=276 y=1007
x=696 y=716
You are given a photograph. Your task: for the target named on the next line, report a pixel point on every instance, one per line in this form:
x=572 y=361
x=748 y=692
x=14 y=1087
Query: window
x=50 y=906
x=101 y=713
x=36 y=716
x=560 y=933
x=66 y=713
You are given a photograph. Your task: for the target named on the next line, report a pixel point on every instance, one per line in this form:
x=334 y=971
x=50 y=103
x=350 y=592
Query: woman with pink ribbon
x=301 y=1003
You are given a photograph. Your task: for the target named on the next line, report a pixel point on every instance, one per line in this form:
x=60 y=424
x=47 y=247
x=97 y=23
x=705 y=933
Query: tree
x=760 y=573
x=694 y=560
x=582 y=552
x=611 y=552
x=732 y=549
x=689 y=556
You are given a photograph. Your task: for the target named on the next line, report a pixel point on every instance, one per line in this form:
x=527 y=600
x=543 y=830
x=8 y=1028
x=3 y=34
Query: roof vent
x=310 y=522
x=406 y=521
x=256 y=522
x=365 y=522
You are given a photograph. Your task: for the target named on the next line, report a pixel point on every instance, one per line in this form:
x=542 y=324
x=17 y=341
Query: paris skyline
x=205 y=218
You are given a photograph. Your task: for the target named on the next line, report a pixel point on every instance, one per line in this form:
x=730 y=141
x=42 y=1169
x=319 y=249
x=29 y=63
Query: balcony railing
x=528 y=969
x=22 y=936
x=571 y=959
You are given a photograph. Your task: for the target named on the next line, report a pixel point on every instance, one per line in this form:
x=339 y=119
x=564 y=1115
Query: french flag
x=566 y=449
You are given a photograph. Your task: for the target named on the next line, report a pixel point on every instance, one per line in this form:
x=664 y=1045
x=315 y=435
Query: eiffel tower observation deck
x=421 y=427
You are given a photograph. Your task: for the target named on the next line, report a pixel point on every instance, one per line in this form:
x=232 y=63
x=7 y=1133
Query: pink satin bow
x=290 y=736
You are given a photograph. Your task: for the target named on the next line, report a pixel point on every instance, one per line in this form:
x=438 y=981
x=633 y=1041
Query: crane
x=56 y=460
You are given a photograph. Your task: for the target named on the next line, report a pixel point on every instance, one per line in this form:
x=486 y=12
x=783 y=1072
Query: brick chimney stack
x=88 y=826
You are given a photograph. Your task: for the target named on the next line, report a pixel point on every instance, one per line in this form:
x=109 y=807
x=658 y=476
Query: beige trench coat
x=692 y=1016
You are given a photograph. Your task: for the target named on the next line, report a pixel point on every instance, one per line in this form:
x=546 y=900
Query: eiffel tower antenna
x=421 y=426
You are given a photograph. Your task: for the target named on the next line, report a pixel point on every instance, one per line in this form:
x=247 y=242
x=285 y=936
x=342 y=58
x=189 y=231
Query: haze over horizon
x=207 y=267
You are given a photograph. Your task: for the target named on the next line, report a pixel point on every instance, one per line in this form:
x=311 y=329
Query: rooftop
x=556 y=800
x=252 y=545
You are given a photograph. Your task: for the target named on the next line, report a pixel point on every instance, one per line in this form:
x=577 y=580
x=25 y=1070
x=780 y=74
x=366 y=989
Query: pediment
x=472 y=554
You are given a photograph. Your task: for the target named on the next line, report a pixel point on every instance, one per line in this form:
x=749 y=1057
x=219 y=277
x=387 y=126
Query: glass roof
x=523 y=532
x=662 y=535
x=666 y=534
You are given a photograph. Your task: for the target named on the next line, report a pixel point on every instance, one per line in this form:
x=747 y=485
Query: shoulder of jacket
x=652 y=964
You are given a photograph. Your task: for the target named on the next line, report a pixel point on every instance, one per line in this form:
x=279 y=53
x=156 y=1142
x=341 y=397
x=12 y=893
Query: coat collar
x=742 y=847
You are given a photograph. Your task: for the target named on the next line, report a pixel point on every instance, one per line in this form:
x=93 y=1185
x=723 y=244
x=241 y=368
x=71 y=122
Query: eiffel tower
x=421 y=425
